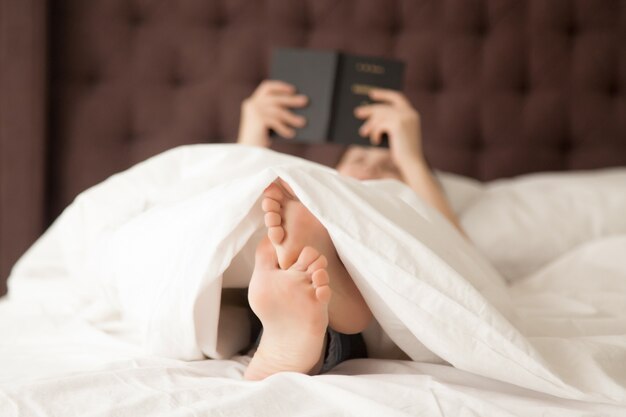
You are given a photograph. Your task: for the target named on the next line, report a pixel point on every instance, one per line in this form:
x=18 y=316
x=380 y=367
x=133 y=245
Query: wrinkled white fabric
x=144 y=257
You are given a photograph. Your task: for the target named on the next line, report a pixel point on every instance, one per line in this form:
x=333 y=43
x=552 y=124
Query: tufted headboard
x=88 y=88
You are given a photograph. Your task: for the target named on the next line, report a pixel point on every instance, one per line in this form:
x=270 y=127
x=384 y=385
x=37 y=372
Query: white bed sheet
x=57 y=366
x=54 y=362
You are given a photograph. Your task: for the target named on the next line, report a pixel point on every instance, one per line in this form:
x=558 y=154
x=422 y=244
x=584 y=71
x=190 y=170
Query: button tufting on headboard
x=136 y=19
x=503 y=87
x=436 y=86
x=93 y=78
x=219 y=22
x=175 y=80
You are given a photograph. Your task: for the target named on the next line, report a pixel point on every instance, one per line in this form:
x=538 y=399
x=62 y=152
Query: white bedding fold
x=158 y=239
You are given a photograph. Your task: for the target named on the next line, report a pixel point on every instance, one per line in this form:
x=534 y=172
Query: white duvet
x=124 y=290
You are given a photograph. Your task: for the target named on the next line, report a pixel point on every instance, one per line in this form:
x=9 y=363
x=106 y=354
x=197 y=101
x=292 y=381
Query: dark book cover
x=335 y=83
x=313 y=73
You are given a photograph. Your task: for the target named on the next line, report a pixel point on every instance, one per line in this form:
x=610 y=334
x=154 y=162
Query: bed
x=505 y=89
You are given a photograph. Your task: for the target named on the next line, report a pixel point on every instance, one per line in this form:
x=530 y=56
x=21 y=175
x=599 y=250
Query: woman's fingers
x=298 y=100
x=370 y=110
x=379 y=119
x=281 y=128
x=274 y=108
x=374 y=129
x=275 y=87
x=288 y=117
x=376 y=137
x=278 y=93
x=392 y=97
x=282 y=121
x=366 y=128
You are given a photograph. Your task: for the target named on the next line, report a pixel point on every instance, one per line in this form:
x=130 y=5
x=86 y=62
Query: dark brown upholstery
x=22 y=137
x=504 y=87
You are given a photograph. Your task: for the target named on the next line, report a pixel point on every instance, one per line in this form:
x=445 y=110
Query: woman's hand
x=268 y=108
x=393 y=115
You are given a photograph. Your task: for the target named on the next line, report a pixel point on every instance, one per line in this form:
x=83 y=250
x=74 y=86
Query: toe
x=269 y=204
x=272 y=219
x=276 y=234
x=320 y=278
x=323 y=294
x=306 y=258
x=274 y=192
x=320 y=263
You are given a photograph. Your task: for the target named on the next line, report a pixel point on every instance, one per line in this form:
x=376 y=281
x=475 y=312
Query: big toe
x=270 y=205
x=274 y=192
x=307 y=256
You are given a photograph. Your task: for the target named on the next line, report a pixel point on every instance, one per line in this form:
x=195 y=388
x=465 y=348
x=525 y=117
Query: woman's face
x=368 y=163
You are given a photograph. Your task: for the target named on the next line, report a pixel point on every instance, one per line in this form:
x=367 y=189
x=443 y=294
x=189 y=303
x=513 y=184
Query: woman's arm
x=421 y=179
x=394 y=115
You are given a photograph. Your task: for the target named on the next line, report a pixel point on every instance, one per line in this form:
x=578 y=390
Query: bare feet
x=292 y=305
x=291 y=227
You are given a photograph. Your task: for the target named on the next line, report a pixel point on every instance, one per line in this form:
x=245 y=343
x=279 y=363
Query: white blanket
x=157 y=244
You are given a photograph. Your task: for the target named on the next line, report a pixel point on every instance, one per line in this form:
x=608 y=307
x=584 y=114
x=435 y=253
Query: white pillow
x=524 y=223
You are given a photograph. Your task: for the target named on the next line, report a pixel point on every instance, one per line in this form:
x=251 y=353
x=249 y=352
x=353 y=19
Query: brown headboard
x=88 y=88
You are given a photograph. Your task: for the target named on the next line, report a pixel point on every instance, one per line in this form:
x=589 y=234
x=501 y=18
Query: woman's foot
x=292 y=305
x=291 y=227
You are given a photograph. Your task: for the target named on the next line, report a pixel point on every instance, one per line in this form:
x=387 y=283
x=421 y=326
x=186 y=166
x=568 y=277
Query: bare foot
x=292 y=305
x=291 y=227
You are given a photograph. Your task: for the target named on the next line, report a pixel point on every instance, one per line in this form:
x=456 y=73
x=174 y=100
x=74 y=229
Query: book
x=335 y=83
